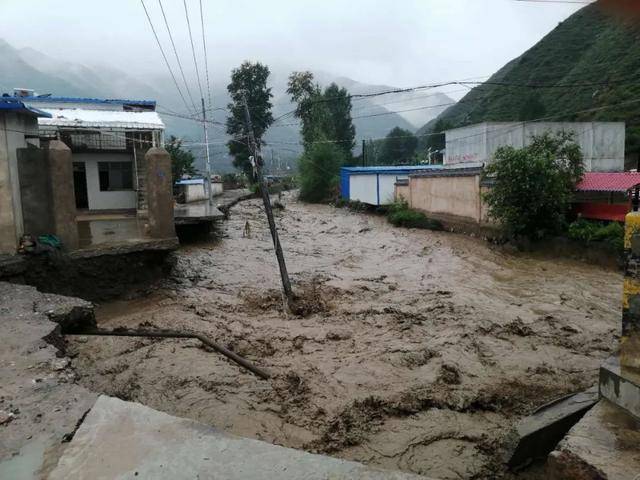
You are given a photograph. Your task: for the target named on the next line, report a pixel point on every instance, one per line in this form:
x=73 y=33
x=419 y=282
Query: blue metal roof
x=388 y=169
x=10 y=104
x=190 y=181
x=108 y=101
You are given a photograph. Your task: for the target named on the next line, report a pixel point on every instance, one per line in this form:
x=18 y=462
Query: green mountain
x=587 y=68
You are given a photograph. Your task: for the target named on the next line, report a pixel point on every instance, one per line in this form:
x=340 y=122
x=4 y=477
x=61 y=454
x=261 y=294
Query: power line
x=163 y=54
x=497 y=131
x=193 y=50
x=175 y=51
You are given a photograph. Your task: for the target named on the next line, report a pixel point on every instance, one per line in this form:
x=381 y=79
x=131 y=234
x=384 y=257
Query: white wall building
x=602 y=143
x=108 y=139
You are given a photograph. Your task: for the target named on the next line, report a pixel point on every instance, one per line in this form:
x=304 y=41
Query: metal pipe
x=124 y=332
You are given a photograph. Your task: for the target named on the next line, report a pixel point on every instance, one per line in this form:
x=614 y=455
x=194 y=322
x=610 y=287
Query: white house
x=108 y=139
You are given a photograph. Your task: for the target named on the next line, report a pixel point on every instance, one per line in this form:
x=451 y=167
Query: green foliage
x=250 y=78
x=319 y=172
x=181 y=159
x=323 y=115
x=586 y=231
x=533 y=186
x=593 y=45
x=398 y=148
x=400 y=215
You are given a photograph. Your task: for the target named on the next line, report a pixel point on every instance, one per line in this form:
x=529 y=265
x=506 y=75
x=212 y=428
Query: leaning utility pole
x=257 y=166
x=206 y=144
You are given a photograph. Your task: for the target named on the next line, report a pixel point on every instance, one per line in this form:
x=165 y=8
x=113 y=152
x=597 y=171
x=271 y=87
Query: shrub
x=400 y=215
x=586 y=231
x=319 y=172
x=533 y=186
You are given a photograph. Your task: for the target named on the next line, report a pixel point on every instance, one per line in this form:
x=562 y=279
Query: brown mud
x=418 y=352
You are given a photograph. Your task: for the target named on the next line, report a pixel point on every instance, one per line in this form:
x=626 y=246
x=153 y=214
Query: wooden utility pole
x=364 y=162
x=257 y=162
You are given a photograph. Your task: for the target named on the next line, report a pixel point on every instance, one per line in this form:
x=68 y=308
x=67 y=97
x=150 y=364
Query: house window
x=115 y=176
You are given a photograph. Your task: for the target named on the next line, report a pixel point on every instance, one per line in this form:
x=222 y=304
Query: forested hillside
x=587 y=68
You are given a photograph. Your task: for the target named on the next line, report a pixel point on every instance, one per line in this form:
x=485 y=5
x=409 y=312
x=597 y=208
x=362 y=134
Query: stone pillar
x=159 y=193
x=63 y=199
x=620 y=374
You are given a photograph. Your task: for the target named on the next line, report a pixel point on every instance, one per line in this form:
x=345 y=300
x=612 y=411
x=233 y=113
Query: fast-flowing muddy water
x=423 y=349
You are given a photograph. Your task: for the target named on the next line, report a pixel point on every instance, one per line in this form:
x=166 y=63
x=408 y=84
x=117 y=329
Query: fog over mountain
x=373 y=117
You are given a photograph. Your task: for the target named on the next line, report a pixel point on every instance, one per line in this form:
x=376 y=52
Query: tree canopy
x=533 y=186
x=398 y=148
x=181 y=159
x=250 y=78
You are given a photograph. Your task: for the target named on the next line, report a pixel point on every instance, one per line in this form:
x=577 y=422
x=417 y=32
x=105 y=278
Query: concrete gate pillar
x=159 y=193
x=620 y=374
x=63 y=200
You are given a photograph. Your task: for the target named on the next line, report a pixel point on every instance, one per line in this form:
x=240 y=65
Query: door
x=80 y=185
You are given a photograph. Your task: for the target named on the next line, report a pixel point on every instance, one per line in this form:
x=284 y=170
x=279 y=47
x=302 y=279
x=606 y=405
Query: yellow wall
x=455 y=196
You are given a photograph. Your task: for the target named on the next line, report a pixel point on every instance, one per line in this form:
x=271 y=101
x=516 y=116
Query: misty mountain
x=593 y=58
x=373 y=117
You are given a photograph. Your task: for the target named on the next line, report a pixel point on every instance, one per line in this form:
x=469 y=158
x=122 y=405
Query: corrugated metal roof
x=108 y=101
x=77 y=117
x=608 y=182
x=190 y=181
x=450 y=172
x=388 y=169
x=9 y=104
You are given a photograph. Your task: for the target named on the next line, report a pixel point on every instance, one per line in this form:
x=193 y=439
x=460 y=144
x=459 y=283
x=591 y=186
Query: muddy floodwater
x=420 y=352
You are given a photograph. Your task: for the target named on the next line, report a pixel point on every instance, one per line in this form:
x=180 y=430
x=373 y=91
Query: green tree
x=534 y=185
x=310 y=107
x=250 y=78
x=338 y=123
x=399 y=147
x=319 y=170
x=323 y=114
x=181 y=159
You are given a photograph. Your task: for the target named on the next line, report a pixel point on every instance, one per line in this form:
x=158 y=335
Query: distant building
x=108 y=139
x=375 y=185
x=602 y=143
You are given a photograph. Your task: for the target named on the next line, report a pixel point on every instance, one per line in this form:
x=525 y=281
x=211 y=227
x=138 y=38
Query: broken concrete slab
x=539 y=433
x=621 y=385
x=39 y=395
x=602 y=445
x=119 y=440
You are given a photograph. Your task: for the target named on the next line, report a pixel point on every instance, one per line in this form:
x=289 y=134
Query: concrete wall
x=455 y=196
x=35 y=191
x=159 y=194
x=602 y=143
x=402 y=192
x=123 y=199
x=13 y=128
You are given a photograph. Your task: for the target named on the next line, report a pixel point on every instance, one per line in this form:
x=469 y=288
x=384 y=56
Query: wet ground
x=420 y=352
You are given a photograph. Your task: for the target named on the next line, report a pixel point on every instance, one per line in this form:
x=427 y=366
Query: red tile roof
x=608 y=182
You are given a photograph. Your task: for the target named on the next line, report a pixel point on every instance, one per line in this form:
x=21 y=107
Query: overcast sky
x=399 y=42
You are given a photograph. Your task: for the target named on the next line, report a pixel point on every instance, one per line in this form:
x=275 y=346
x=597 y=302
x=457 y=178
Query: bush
x=400 y=215
x=586 y=231
x=319 y=172
x=533 y=186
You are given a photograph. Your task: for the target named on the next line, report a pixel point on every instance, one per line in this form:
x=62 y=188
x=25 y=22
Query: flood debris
x=427 y=378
